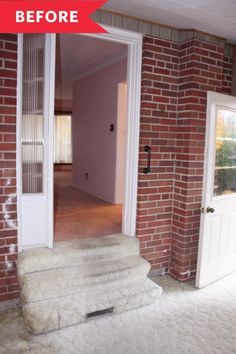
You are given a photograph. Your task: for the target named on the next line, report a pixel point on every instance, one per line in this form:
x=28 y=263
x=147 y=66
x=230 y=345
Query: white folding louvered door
x=35 y=118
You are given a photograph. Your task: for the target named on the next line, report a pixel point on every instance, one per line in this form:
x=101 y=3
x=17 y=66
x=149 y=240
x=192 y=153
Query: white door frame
x=134 y=43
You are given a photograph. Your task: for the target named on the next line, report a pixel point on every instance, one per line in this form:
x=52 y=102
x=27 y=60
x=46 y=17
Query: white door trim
x=49 y=112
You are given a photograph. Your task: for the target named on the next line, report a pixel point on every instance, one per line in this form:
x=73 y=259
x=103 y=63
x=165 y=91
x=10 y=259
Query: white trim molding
x=49 y=130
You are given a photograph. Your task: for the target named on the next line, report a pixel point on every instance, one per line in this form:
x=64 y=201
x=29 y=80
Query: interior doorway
x=89 y=137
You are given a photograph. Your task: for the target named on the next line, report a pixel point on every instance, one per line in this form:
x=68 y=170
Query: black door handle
x=147 y=169
x=209 y=210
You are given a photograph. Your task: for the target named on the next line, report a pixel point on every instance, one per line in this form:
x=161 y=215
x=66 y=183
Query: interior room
x=89 y=136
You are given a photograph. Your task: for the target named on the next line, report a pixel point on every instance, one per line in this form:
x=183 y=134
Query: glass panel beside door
x=36 y=54
x=225 y=163
x=32 y=121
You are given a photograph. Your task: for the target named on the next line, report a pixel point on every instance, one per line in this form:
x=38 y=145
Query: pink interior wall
x=94 y=145
x=121 y=142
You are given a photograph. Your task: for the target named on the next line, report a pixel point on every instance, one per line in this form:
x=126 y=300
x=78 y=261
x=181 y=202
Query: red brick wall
x=8 y=226
x=175 y=81
x=158 y=121
x=200 y=70
x=227 y=75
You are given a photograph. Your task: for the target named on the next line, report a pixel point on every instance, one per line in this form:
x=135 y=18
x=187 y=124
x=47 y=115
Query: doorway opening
x=89 y=136
x=35 y=206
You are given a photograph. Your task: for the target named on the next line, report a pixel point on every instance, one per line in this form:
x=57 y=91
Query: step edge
x=153 y=286
x=140 y=261
x=135 y=275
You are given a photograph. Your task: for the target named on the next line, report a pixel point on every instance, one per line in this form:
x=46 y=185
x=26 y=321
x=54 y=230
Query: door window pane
x=225 y=164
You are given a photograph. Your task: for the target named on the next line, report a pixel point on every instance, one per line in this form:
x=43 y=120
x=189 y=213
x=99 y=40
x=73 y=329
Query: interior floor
x=79 y=215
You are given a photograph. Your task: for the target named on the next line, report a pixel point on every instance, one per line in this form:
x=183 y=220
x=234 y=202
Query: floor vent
x=101 y=312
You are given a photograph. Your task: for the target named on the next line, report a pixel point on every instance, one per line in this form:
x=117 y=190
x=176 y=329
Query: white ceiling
x=77 y=55
x=213 y=16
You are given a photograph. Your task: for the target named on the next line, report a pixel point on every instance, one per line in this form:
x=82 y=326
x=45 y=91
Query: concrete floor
x=79 y=215
x=184 y=320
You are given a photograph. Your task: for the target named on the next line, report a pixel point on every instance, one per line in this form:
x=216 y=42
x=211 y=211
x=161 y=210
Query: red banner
x=48 y=16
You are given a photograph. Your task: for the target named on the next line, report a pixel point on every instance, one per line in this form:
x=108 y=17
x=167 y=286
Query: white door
x=35 y=94
x=217 y=246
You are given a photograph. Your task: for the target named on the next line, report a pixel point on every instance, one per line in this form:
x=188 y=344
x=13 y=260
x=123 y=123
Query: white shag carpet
x=184 y=320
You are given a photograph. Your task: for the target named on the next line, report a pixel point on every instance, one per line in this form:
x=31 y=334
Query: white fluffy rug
x=185 y=320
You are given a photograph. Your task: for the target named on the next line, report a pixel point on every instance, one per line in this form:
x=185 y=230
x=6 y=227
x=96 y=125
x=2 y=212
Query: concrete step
x=80 y=279
x=107 y=274
x=48 y=315
x=76 y=252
